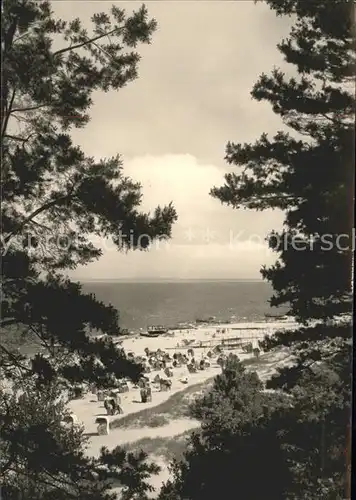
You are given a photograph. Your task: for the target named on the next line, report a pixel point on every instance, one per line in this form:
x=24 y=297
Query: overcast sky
x=172 y=124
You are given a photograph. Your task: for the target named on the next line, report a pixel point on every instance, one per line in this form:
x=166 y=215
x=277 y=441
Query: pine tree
x=237 y=452
x=41 y=458
x=54 y=199
x=308 y=173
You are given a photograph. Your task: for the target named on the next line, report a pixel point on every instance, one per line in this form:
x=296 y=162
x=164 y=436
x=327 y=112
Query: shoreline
x=218 y=323
x=266 y=324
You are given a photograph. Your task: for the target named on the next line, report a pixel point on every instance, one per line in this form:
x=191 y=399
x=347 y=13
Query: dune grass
x=262 y=360
x=168 y=448
x=175 y=407
x=157 y=420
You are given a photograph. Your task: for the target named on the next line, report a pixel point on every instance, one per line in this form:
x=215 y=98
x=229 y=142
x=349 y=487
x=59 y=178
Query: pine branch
x=87 y=42
x=31 y=108
x=39 y=210
x=6 y=116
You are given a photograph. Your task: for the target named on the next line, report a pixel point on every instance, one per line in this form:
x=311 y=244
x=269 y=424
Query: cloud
x=193 y=90
x=209 y=240
x=178 y=178
x=171 y=126
x=178 y=261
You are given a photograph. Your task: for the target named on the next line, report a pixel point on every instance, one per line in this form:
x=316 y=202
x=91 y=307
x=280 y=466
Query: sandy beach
x=153 y=425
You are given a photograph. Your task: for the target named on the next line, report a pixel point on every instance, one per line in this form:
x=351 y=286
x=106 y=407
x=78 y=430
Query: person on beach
x=109 y=405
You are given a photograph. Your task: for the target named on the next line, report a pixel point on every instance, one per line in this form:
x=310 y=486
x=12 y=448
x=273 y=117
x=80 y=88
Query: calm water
x=166 y=303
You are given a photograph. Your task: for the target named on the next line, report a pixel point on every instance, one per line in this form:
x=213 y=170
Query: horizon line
x=142 y=280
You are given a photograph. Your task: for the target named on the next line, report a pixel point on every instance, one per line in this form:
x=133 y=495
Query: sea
x=168 y=303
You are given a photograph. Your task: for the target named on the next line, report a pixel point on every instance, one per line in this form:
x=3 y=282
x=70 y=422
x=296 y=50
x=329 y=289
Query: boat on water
x=125 y=331
x=154 y=331
x=276 y=316
x=211 y=319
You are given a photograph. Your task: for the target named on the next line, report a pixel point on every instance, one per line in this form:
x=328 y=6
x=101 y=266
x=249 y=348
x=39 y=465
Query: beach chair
x=191 y=368
x=168 y=372
x=143 y=394
x=247 y=348
x=70 y=420
x=157 y=379
x=165 y=385
x=110 y=406
x=184 y=360
x=102 y=426
x=142 y=382
x=100 y=395
x=124 y=387
x=115 y=394
x=149 y=394
x=76 y=392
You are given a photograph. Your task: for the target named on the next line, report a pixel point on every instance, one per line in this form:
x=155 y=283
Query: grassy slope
x=174 y=408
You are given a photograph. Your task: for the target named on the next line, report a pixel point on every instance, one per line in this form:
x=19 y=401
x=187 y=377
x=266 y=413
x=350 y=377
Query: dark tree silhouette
x=54 y=199
x=308 y=173
x=238 y=442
